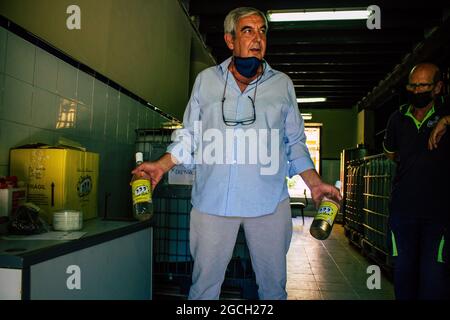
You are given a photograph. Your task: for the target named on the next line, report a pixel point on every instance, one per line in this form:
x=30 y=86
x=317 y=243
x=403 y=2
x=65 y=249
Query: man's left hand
x=325 y=190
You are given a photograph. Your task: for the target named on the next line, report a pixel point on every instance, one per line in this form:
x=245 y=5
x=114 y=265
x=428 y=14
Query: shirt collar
x=429 y=112
x=417 y=122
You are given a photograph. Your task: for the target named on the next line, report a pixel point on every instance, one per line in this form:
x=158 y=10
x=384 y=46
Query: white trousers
x=212 y=240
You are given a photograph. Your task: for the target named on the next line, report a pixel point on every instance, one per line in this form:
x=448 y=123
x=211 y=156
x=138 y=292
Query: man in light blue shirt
x=243 y=134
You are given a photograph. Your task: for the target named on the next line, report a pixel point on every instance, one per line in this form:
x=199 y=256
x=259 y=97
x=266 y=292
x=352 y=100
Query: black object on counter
x=25 y=220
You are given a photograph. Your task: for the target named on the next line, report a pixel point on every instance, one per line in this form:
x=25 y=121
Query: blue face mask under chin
x=248 y=67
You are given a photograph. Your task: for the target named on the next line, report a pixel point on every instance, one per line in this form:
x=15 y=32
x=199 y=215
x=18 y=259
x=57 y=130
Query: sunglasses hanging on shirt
x=245 y=121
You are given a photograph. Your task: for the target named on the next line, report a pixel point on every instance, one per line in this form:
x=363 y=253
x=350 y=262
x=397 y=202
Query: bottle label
x=141 y=191
x=327 y=211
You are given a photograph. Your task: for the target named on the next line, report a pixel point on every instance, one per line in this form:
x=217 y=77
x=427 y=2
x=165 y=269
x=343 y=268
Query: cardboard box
x=58 y=178
x=11 y=199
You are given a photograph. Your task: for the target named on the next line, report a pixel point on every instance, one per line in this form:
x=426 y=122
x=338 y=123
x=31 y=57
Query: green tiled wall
x=37 y=90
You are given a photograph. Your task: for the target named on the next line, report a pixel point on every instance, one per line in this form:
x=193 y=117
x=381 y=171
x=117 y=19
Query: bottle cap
x=338 y=184
x=139 y=157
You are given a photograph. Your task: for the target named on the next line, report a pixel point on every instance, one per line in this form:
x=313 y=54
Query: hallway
x=330 y=269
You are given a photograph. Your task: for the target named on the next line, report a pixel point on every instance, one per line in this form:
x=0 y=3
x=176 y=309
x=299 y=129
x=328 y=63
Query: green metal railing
x=368 y=188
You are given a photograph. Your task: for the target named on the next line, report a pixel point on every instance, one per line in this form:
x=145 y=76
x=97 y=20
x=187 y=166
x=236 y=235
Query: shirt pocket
x=210 y=116
x=270 y=115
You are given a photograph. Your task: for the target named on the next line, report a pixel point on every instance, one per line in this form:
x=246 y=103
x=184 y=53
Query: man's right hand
x=154 y=171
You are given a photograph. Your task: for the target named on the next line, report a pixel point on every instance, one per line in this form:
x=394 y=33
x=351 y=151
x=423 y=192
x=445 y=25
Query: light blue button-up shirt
x=241 y=170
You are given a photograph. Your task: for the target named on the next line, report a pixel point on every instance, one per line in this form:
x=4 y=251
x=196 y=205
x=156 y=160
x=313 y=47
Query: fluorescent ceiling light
x=307 y=116
x=316 y=15
x=309 y=100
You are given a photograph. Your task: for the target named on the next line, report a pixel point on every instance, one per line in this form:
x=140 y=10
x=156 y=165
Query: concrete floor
x=329 y=269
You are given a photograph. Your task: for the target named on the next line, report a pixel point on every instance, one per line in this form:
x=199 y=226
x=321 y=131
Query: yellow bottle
x=141 y=193
x=324 y=220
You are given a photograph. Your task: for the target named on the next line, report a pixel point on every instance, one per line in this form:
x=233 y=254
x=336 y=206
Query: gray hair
x=232 y=18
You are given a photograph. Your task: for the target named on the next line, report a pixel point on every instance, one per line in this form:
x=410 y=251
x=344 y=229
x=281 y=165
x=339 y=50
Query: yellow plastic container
x=58 y=178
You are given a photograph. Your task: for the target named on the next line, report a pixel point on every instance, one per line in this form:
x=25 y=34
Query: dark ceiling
x=342 y=60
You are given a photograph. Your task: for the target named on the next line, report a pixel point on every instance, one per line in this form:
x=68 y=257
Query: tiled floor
x=317 y=270
x=329 y=269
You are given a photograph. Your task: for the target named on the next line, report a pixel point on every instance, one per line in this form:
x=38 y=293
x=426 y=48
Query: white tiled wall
x=37 y=90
